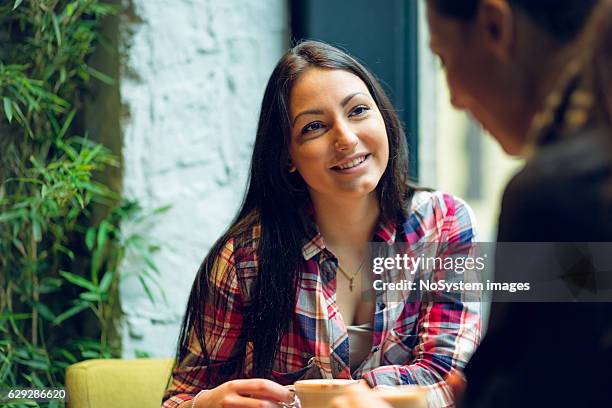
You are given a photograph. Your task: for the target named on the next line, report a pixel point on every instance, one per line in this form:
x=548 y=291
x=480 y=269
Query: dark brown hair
x=562 y=19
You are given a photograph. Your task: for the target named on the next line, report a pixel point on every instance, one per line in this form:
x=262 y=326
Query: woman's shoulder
x=444 y=204
x=237 y=258
x=242 y=240
x=439 y=216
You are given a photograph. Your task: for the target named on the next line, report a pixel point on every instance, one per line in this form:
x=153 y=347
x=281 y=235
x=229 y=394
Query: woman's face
x=477 y=80
x=338 y=139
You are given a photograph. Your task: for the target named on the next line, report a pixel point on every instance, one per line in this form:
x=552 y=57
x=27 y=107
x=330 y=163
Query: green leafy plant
x=61 y=242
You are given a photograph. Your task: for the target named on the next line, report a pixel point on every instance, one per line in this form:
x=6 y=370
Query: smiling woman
x=277 y=298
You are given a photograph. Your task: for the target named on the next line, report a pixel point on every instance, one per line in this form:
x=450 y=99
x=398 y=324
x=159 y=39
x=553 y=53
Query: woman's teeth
x=353 y=163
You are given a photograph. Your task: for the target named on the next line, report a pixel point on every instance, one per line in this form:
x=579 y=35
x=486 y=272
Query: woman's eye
x=359 y=110
x=311 y=127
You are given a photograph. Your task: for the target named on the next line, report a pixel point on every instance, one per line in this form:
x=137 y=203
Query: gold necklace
x=349 y=277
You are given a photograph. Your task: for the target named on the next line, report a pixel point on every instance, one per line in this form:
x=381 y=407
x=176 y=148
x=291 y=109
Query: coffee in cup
x=320 y=392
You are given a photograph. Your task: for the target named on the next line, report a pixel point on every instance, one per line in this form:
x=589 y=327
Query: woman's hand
x=457 y=383
x=249 y=393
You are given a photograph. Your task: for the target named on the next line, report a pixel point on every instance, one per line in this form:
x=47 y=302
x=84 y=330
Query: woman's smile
x=351 y=165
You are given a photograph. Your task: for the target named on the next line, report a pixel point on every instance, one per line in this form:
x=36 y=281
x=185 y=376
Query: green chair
x=116 y=383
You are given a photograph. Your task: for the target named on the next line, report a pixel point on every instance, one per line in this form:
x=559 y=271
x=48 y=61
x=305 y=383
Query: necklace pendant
x=351 y=284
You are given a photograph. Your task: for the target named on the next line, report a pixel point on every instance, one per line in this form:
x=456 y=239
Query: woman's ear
x=496 y=20
x=290 y=166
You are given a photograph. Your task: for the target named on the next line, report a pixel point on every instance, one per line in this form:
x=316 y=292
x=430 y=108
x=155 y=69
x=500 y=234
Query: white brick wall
x=192 y=80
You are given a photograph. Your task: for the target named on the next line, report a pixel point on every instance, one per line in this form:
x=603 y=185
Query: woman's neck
x=347 y=223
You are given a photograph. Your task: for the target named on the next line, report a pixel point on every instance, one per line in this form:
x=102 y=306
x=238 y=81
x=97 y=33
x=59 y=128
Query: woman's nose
x=346 y=139
x=456 y=100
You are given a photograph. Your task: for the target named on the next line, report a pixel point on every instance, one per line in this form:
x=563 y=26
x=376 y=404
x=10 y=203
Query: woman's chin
x=358 y=189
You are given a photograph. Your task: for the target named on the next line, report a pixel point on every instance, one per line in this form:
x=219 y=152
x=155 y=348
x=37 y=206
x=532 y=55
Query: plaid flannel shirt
x=414 y=342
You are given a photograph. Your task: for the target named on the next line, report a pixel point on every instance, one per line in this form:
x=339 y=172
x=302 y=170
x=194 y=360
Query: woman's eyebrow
x=306 y=112
x=347 y=98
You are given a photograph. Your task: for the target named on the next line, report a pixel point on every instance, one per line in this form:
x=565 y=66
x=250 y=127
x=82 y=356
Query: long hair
x=273 y=201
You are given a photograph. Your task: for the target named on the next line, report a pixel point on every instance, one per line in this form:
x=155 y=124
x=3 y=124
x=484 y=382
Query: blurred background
x=125 y=142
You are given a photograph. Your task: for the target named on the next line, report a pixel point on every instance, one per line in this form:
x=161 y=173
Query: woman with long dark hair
x=283 y=294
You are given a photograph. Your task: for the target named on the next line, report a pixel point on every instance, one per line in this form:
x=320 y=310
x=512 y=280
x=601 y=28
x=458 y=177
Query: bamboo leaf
x=90 y=237
x=77 y=308
x=39 y=167
x=162 y=209
x=102 y=234
x=17 y=3
x=90 y=354
x=69 y=150
x=67 y=123
x=56 y=28
x=36 y=380
x=104 y=9
x=150 y=262
x=96 y=261
x=19 y=245
x=44 y=311
x=28 y=180
x=49 y=284
x=142 y=354
x=93 y=153
x=15 y=316
x=36 y=364
x=106 y=281
x=146 y=288
x=80 y=201
x=36 y=230
x=19 y=114
x=64 y=250
x=8 y=216
x=79 y=281
x=8 y=108
x=69 y=356
x=91 y=296
x=63 y=74
x=101 y=76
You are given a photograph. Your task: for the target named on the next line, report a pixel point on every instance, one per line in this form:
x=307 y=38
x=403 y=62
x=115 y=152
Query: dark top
x=551 y=354
x=554 y=354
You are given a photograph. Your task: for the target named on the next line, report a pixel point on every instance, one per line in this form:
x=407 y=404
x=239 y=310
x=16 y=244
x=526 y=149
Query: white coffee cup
x=320 y=392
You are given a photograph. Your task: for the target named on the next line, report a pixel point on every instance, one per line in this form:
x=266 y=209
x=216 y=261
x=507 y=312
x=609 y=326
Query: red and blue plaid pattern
x=414 y=342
